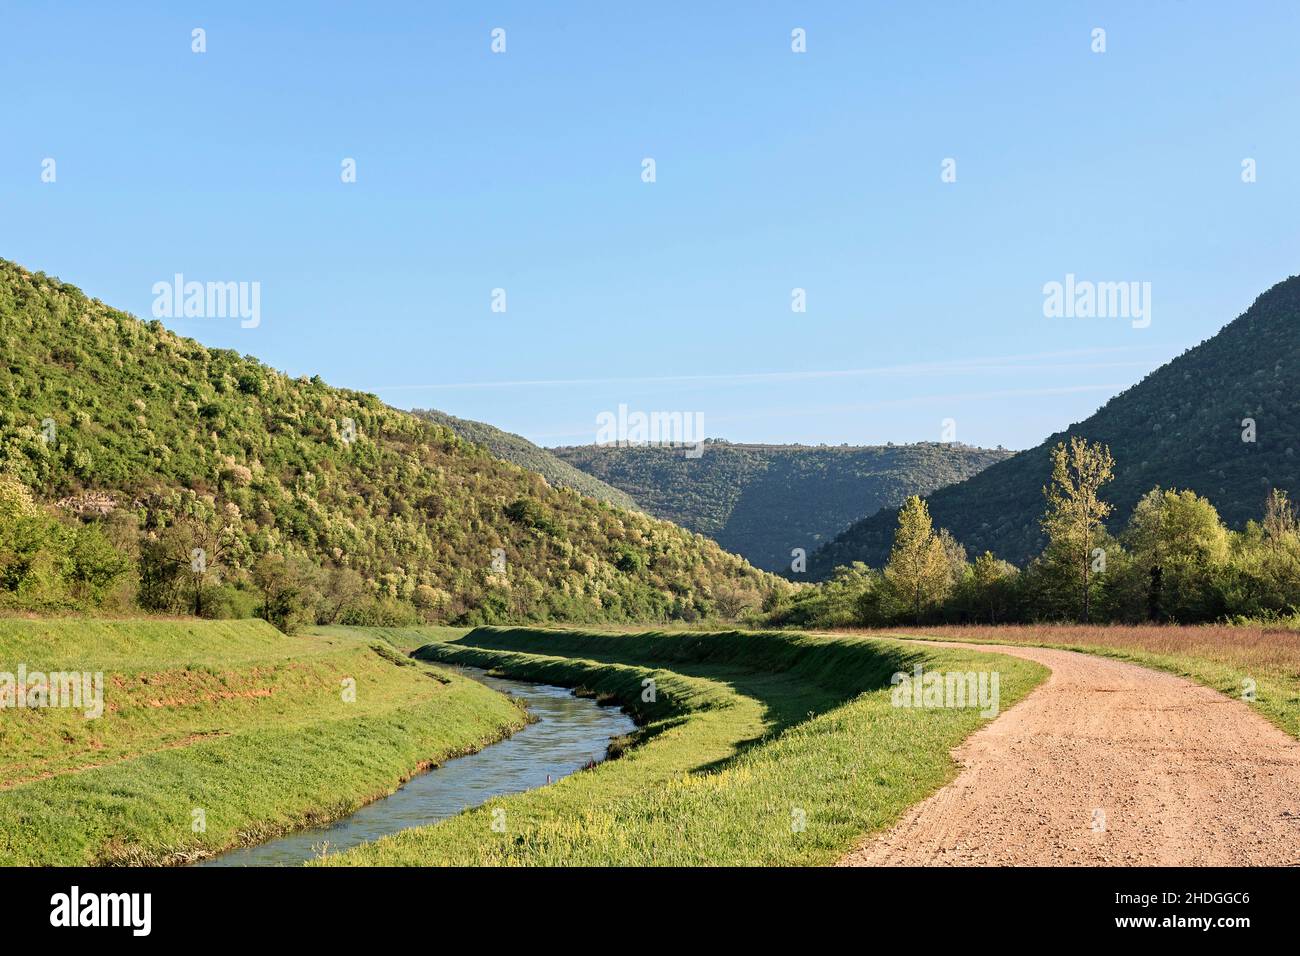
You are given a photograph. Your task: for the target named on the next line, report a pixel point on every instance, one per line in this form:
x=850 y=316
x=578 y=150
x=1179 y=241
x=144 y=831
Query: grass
x=405 y=639
x=1219 y=657
x=764 y=748
x=232 y=718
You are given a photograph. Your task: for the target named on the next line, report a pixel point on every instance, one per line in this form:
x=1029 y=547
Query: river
x=570 y=733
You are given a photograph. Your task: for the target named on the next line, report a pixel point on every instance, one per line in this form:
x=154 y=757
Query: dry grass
x=1246 y=647
x=1217 y=656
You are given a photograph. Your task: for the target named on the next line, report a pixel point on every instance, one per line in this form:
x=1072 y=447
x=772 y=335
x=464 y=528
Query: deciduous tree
x=918 y=574
x=1076 y=514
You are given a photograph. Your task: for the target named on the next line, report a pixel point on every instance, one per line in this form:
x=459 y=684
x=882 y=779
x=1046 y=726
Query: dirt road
x=1108 y=763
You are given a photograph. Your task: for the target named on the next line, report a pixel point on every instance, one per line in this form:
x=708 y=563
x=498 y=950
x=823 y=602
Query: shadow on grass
x=793 y=677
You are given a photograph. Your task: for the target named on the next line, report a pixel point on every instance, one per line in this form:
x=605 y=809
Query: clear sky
x=774 y=170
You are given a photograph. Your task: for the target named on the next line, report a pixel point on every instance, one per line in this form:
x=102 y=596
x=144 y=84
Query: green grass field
x=765 y=748
x=231 y=718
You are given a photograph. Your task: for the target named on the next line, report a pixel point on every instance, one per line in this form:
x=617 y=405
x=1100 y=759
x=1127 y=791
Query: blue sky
x=775 y=170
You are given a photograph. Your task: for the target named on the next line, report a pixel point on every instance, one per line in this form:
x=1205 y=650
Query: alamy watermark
x=652 y=428
x=130 y=910
x=1085 y=299
x=179 y=299
x=34 y=690
x=954 y=689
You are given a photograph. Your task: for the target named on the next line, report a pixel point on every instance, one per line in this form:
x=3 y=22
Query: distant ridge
x=764 y=501
x=519 y=450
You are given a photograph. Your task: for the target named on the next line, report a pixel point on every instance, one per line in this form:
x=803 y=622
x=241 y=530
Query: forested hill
x=519 y=450
x=142 y=431
x=763 y=501
x=1180 y=427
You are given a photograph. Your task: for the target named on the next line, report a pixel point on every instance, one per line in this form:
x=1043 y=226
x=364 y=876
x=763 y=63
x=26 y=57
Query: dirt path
x=1182 y=774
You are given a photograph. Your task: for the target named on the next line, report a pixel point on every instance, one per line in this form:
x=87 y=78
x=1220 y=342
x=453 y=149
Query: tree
x=1178 y=544
x=341 y=590
x=188 y=541
x=848 y=599
x=184 y=558
x=95 y=566
x=1279 y=518
x=918 y=574
x=991 y=587
x=1263 y=572
x=774 y=595
x=32 y=546
x=48 y=563
x=730 y=600
x=954 y=557
x=1076 y=515
x=289 y=587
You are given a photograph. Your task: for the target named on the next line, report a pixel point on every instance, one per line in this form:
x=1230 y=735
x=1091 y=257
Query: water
x=571 y=733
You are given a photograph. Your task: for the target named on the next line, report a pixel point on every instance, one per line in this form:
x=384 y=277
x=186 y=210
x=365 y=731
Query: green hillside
x=314 y=502
x=519 y=450
x=215 y=734
x=1180 y=427
x=763 y=501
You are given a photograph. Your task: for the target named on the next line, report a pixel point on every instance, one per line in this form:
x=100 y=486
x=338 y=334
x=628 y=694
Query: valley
x=286 y=615
x=554 y=452
x=767 y=502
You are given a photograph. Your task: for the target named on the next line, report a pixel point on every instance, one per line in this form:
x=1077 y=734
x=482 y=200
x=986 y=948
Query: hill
x=295 y=490
x=1180 y=427
x=763 y=501
x=520 y=451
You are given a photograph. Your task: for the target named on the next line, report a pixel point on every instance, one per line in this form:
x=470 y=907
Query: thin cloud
x=1003 y=363
x=951 y=397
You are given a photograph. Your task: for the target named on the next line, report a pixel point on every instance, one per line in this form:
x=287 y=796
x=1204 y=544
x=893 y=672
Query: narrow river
x=571 y=732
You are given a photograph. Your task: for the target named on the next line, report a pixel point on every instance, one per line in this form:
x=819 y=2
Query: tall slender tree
x=918 y=573
x=1076 y=515
x=1279 y=517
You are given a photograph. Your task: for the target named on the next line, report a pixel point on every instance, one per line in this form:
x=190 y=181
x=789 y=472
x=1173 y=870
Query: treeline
x=194 y=561
x=1174 y=562
x=179 y=552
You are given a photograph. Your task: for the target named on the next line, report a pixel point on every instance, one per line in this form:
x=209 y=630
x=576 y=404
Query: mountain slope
x=1180 y=427
x=94 y=400
x=763 y=501
x=520 y=451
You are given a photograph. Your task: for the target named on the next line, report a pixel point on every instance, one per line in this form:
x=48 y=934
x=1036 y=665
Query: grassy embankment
x=1222 y=658
x=232 y=718
x=759 y=748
